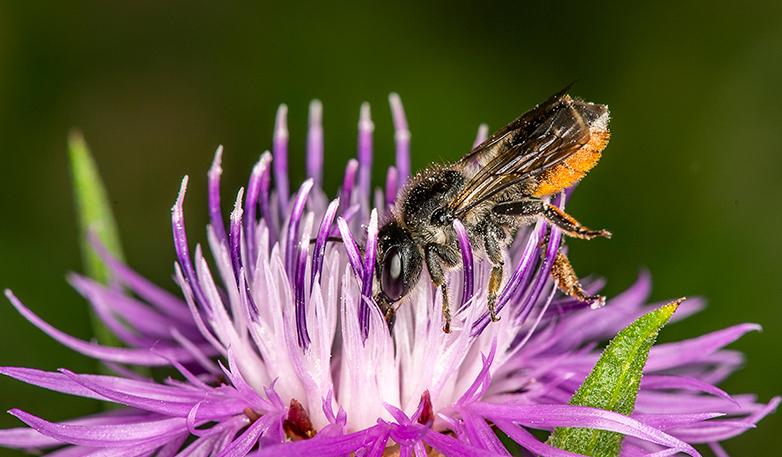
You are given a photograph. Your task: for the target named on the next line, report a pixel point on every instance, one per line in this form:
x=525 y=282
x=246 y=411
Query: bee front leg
x=388 y=310
x=493 y=243
x=436 y=257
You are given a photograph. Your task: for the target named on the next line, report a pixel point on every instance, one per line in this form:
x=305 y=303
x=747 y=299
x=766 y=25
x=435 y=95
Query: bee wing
x=539 y=139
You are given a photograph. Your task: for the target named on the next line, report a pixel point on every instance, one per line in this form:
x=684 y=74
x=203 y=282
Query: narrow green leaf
x=613 y=384
x=94 y=213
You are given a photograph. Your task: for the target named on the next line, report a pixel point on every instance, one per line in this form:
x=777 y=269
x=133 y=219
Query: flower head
x=281 y=350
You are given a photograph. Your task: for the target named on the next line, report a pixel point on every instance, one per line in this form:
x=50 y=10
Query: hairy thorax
x=422 y=209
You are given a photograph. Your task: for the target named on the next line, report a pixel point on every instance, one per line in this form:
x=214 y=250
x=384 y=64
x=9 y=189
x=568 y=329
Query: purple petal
x=454 y=448
x=250 y=206
x=401 y=138
x=685 y=383
x=392 y=186
x=301 y=312
x=160 y=298
x=135 y=313
x=100 y=435
x=542 y=277
x=397 y=414
x=72 y=451
x=482 y=380
x=199 y=356
x=378 y=446
x=215 y=213
x=550 y=416
x=235 y=237
x=320 y=242
x=57 y=382
x=151 y=398
x=365 y=128
x=526 y=440
x=172 y=448
x=667 y=421
x=144 y=357
x=481 y=434
x=293 y=227
x=265 y=201
x=351 y=248
x=348 y=181
x=119 y=329
x=718 y=450
x=330 y=446
x=201 y=447
x=280 y=154
x=182 y=249
x=720 y=430
x=370 y=258
x=145 y=449
x=468 y=288
x=670 y=355
x=683 y=402
x=242 y=445
x=26 y=438
x=315 y=143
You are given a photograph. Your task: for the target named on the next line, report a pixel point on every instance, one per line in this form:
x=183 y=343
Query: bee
x=498 y=187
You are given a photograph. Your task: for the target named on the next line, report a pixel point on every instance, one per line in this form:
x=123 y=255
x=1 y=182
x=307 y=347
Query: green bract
x=613 y=384
x=95 y=216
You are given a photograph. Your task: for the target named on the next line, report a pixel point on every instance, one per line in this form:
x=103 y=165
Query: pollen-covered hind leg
x=567 y=281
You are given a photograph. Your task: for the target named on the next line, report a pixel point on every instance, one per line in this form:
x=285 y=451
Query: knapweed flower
x=280 y=350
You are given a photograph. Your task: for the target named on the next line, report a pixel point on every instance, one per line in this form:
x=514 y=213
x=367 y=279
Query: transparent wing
x=536 y=141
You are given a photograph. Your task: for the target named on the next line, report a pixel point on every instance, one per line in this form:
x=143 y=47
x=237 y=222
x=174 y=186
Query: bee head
x=399 y=262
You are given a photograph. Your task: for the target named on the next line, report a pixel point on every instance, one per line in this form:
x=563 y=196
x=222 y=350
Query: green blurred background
x=690 y=184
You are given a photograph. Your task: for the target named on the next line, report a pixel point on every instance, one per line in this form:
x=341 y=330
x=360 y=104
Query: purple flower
x=281 y=350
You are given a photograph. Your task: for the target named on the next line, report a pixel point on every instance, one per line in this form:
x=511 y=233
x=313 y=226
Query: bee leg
x=436 y=256
x=536 y=207
x=570 y=225
x=388 y=310
x=567 y=281
x=493 y=245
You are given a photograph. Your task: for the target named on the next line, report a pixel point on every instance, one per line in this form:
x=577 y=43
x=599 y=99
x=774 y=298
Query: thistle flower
x=280 y=350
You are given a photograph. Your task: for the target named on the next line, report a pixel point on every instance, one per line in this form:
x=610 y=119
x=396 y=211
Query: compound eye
x=391 y=280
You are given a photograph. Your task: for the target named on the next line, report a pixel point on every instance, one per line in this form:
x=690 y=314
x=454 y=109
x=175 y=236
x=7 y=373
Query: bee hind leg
x=436 y=257
x=531 y=207
x=562 y=271
x=567 y=281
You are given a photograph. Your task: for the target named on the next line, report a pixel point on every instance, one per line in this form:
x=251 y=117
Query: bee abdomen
x=575 y=167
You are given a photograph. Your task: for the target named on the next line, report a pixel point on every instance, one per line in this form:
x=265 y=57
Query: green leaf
x=94 y=213
x=613 y=384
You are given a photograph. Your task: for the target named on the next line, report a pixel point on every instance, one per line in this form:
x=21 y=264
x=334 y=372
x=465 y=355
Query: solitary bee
x=496 y=188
